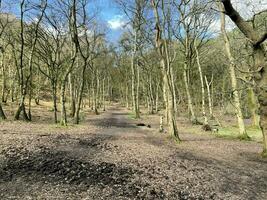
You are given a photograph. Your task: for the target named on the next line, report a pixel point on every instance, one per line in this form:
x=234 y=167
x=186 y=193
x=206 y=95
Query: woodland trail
x=112 y=158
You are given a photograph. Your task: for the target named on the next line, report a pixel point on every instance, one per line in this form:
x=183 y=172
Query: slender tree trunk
x=72 y=97
x=174 y=90
x=166 y=67
x=126 y=96
x=239 y=114
x=202 y=86
x=3 y=79
x=37 y=94
x=189 y=99
x=165 y=97
x=152 y=101
x=97 y=90
x=134 y=78
x=104 y=94
x=95 y=101
x=157 y=99
x=54 y=96
x=209 y=97
x=63 y=120
x=80 y=95
x=22 y=82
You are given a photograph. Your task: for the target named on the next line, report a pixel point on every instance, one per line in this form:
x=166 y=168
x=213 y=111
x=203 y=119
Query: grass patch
x=131 y=115
x=233 y=133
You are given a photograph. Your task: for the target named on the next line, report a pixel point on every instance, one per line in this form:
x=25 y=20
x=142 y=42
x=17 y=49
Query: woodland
x=176 y=108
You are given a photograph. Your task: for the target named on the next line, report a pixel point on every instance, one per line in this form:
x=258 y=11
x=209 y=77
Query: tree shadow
x=111 y=122
x=231 y=178
x=58 y=167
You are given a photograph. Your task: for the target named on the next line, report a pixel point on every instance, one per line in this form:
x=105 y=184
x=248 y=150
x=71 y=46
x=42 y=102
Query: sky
x=114 y=19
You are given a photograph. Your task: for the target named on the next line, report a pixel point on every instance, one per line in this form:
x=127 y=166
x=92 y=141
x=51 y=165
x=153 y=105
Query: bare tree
x=256 y=39
x=237 y=104
x=165 y=64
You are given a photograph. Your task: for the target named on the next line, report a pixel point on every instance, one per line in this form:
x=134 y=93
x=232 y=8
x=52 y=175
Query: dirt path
x=111 y=158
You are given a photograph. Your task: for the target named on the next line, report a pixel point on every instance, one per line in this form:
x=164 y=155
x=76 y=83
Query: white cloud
x=117 y=22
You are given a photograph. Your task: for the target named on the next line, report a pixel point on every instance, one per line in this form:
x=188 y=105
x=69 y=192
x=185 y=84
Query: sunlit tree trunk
x=4 y=82
x=22 y=81
x=189 y=99
x=80 y=95
x=165 y=65
x=104 y=94
x=202 y=85
x=134 y=77
x=239 y=114
x=209 y=96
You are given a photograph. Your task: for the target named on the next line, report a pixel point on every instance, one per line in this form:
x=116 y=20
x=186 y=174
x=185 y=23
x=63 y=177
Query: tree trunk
x=54 y=97
x=63 y=120
x=126 y=96
x=2 y=114
x=261 y=80
x=22 y=82
x=239 y=114
x=253 y=106
x=103 y=95
x=134 y=77
x=72 y=97
x=256 y=39
x=3 y=79
x=189 y=99
x=80 y=96
x=174 y=90
x=37 y=94
x=202 y=86
x=166 y=68
x=157 y=99
x=209 y=97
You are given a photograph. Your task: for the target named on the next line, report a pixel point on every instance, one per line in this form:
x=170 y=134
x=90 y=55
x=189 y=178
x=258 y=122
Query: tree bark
x=134 y=77
x=2 y=114
x=54 y=97
x=254 y=107
x=202 y=85
x=72 y=97
x=80 y=95
x=22 y=82
x=165 y=65
x=239 y=114
x=256 y=40
x=189 y=99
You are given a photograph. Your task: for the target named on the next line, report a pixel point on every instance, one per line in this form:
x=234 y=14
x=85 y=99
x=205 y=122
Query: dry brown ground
x=109 y=157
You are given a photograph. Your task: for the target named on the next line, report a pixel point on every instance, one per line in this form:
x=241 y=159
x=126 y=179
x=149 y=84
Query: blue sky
x=114 y=19
x=107 y=11
x=112 y=16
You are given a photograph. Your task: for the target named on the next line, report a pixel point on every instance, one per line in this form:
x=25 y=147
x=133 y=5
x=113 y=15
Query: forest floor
x=109 y=157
